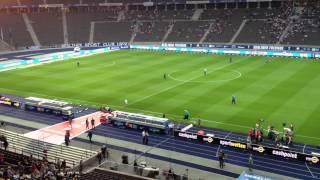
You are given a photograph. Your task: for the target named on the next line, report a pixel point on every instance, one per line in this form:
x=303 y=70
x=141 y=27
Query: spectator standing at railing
x=90 y=136
x=143 y=136
x=67 y=138
x=249 y=142
x=99 y=157
x=5 y=144
x=147 y=137
x=221 y=157
x=104 y=151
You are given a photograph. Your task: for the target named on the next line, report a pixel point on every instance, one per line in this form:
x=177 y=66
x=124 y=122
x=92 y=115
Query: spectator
x=64 y=164
x=221 y=157
x=93 y=123
x=135 y=165
x=147 y=137
x=87 y=123
x=99 y=157
x=5 y=144
x=144 y=137
x=90 y=136
x=67 y=139
x=249 y=143
x=104 y=151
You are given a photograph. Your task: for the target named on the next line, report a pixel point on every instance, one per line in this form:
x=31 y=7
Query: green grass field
x=283 y=90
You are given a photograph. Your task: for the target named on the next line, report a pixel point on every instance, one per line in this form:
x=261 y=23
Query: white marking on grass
x=214 y=81
x=179 y=84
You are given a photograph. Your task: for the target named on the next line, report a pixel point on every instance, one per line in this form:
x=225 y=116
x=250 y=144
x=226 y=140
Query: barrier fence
x=236 y=51
x=257 y=148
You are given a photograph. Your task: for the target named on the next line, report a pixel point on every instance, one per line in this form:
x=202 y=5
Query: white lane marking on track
x=213 y=81
x=309 y=170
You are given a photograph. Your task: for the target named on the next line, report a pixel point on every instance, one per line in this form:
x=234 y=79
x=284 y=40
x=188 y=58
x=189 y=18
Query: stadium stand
x=304 y=28
x=238 y=23
x=40 y=24
x=105 y=174
x=14 y=30
x=24 y=145
x=113 y=31
x=151 y=31
x=188 y=31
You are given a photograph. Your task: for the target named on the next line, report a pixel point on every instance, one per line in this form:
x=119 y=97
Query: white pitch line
x=214 y=81
x=179 y=84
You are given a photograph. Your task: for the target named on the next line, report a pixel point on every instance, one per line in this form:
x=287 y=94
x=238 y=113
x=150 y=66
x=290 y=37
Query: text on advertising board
x=233 y=144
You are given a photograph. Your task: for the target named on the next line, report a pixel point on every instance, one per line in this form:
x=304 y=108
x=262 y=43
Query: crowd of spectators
x=276 y=21
x=303 y=28
x=159 y=15
x=188 y=31
x=20 y=166
x=280 y=138
x=151 y=30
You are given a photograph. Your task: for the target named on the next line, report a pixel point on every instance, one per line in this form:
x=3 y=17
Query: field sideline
x=275 y=89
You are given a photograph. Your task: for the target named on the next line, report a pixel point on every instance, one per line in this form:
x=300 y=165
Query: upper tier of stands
x=285 y=24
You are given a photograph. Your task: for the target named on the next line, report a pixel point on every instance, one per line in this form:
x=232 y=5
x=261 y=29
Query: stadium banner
x=62 y=56
x=258 y=149
x=199 y=49
x=245 y=46
x=122 y=45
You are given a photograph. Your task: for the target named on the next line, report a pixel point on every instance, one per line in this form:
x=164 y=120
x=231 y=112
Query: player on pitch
x=233 y=99
x=205 y=71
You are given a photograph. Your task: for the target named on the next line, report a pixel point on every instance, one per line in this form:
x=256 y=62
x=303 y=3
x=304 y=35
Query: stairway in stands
x=20 y=144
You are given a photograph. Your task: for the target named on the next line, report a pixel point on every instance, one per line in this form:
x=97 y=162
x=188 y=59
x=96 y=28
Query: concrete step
x=20 y=143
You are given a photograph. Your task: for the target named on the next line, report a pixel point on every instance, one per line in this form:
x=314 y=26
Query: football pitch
x=278 y=90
